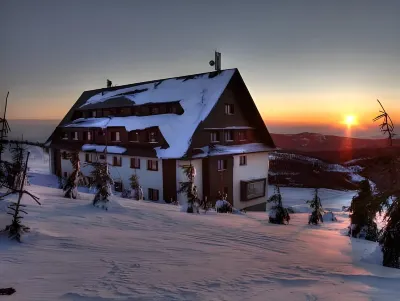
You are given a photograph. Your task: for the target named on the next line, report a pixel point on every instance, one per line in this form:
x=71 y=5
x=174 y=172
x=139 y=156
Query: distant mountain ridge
x=314 y=142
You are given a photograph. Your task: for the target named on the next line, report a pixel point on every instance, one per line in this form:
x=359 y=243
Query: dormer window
x=94 y=114
x=88 y=136
x=115 y=137
x=155 y=111
x=229 y=109
x=133 y=136
x=74 y=135
x=242 y=135
x=228 y=136
x=214 y=136
x=64 y=136
x=171 y=109
x=152 y=137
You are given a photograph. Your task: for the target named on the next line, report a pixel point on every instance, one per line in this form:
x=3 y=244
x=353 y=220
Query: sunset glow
x=350 y=120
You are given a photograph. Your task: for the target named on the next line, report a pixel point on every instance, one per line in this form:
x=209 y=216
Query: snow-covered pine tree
x=134 y=181
x=187 y=187
x=317 y=210
x=389 y=239
x=363 y=209
x=278 y=214
x=71 y=186
x=102 y=182
x=18 y=153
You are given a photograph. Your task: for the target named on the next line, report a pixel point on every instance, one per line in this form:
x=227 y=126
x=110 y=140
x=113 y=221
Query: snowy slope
x=148 y=251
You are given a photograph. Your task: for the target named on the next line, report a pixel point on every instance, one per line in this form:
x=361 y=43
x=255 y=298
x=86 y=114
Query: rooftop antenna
x=109 y=83
x=217 y=61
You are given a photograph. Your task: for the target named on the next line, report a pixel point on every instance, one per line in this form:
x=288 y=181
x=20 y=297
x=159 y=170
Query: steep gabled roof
x=197 y=95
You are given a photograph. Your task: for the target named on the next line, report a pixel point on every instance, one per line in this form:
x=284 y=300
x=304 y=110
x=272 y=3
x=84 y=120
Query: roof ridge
x=155 y=80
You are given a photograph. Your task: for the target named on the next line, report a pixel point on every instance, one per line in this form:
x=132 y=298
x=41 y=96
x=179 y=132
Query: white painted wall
x=181 y=177
x=256 y=168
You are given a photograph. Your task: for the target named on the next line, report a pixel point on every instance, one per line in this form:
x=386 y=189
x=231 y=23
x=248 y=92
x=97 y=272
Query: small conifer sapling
x=317 y=211
x=278 y=214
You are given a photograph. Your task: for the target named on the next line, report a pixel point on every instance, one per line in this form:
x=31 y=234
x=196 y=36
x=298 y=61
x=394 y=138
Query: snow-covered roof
x=232 y=149
x=197 y=95
x=101 y=148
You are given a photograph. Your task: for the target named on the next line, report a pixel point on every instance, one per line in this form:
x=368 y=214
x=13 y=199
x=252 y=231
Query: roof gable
x=197 y=94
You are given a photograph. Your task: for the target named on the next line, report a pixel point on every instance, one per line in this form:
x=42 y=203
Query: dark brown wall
x=214 y=180
x=169 y=179
x=57 y=161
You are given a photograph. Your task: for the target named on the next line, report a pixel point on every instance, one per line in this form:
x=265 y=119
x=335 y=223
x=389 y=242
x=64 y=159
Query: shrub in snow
x=189 y=189
x=363 y=209
x=71 y=185
x=103 y=183
x=205 y=204
x=16 y=168
x=390 y=236
x=278 y=214
x=329 y=217
x=317 y=210
x=15 y=229
x=222 y=205
x=136 y=189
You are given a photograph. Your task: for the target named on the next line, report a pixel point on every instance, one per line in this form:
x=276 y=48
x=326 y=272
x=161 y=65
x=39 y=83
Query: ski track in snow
x=148 y=251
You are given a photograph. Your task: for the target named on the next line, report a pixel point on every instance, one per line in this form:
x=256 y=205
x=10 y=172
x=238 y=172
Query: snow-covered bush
x=329 y=216
x=390 y=236
x=136 y=188
x=278 y=214
x=363 y=209
x=222 y=205
x=189 y=189
x=317 y=210
x=71 y=185
x=103 y=183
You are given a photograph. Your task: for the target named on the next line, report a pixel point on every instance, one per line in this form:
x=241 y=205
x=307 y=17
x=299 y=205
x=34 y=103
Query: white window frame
x=89 y=136
x=229 y=109
x=228 y=136
x=94 y=114
x=221 y=164
x=65 y=136
x=117 y=137
x=75 y=136
x=214 y=137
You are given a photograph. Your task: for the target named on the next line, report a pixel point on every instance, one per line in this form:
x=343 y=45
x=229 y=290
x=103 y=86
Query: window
x=154 y=111
x=242 y=135
x=214 y=136
x=135 y=163
x=228 y=135
x=229 y=109
x=117 y=161
x=152 y=137
x=94 y=114
x=88 y=158
x=222 y=165
x=171 y=109
x=102 y=157
x=152 y=165
x=243 y=160
x=134 y=136
x=64 y=136
x=88 y=136
x=153 y=194
x=118 y=186
x=74 y=135
x=65 y=155
x=252 y=189
x=115 y=137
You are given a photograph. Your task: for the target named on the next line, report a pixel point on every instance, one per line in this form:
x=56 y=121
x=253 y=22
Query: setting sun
x=350 y=120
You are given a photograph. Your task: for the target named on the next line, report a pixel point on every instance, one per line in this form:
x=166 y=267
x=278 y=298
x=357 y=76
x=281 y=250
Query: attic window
x=171 y=110
x=88 y=136
x=242 y=135
x=64 y=136
x=214 y=136
x=133 y=136
x=94 y=114
x=229 y=135
x=155 y=111
x=115 y=137
x=152 y=137
x=229 y=109
x=74 y=135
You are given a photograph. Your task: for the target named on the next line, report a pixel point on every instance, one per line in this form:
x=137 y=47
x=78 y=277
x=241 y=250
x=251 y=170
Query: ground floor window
x=153 y=194
x=152 y=165
x=117 y=161
x=252 y=189
x=243 y=160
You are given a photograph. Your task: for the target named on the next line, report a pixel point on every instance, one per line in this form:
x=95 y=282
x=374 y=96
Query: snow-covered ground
x=146 y=251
